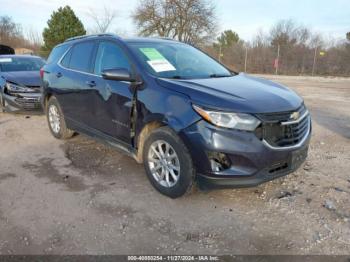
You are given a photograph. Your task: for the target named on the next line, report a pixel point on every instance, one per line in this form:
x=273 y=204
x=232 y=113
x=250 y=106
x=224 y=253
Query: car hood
x=27 y=78
x=240 y=93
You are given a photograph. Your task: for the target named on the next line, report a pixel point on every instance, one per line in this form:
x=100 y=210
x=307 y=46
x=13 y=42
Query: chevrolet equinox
x=175 y=109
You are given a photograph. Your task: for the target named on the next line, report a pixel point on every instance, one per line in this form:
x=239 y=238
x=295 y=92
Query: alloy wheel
x=54 y=119
x=164 y=163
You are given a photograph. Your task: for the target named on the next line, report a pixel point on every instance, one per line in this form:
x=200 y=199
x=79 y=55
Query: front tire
x=56 y=121
x=168 y=163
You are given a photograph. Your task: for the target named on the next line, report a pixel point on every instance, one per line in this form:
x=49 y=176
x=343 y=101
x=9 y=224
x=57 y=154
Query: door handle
x=91 y=83
x=59 y=74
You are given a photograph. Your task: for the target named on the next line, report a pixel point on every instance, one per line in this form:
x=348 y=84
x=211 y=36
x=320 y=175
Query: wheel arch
x=150 y=124
x=45 y=100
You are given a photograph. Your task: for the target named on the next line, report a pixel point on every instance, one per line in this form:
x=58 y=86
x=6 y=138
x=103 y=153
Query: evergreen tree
x=63 y=24
x=227 y=39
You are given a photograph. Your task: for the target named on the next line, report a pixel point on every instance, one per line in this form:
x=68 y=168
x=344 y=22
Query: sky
x=246 y=17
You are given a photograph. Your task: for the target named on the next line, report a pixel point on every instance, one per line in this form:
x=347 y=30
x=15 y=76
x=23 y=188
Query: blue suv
x=175 y=109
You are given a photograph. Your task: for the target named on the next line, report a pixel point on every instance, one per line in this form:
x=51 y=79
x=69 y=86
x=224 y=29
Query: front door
x=112 y=101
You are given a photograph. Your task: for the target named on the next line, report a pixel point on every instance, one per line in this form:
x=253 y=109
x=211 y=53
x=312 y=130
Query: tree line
x=286 y=48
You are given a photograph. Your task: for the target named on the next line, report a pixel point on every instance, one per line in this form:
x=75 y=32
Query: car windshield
x=12 y=64
x=177 y=60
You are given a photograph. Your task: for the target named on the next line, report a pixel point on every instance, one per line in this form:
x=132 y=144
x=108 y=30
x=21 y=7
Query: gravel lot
x=80 y=197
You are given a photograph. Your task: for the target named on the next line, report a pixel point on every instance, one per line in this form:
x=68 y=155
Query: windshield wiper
x=176 y=77
x=218 y=75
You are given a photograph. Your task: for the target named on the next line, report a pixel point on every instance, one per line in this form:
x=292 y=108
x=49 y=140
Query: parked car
x=176 y=110
x=20 y=82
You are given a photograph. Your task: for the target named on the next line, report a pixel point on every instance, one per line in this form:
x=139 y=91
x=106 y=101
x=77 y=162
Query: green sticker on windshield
x=152 y=54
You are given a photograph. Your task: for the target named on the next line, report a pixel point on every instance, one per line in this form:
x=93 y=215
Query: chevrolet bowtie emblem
x=294 y=116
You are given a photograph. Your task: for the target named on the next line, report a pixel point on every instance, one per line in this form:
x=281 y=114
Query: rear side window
x=66 y=59
x=110 y=56
x=57 y=53
x=81 y=55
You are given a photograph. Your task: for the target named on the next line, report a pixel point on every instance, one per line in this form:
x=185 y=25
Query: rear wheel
x=168 y=163
x=56 y=121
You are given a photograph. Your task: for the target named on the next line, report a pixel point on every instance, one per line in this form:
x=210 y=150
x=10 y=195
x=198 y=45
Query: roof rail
x=88 y=36
x=164 y=38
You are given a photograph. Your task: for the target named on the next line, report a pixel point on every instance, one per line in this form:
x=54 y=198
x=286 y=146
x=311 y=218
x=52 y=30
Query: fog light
x=215 y=166
x=218 y=161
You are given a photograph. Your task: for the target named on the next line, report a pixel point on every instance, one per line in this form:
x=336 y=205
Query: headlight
x=17 y=89
x=229 y=120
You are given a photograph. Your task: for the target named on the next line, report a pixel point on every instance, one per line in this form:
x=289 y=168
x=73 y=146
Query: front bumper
x=252 y=162
x=22 y=102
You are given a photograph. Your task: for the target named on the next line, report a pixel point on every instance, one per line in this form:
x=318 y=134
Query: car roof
x=116 y=37
x=149 y=40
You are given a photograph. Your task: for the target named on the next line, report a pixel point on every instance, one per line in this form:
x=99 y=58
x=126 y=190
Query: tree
x=284 y=33
x=190 y=21
x=63 y=24
x=10 y=32
x=103 y=22
x=290 y=40
x=227 y=39
x=228 y=47
x=348 y=36
x=33 y=36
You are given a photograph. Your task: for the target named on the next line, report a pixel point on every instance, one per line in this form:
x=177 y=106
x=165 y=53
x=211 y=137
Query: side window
x=57 y=53
x=66 y=59
x=109 y=56
x=80 y=57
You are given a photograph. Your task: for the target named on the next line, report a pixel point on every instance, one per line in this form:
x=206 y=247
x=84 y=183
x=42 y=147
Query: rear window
x=81 y=56
x=57 y=53
x=13 y=64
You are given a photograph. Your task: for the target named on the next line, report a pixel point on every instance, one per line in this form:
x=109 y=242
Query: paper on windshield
x=5 y=60
x=156 y=60
x=161 y=65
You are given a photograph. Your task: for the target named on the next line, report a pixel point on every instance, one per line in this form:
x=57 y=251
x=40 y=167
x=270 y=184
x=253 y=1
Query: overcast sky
x=332 y=18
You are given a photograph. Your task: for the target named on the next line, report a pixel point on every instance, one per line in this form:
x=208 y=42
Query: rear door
x=112 y=100
x=77 y=83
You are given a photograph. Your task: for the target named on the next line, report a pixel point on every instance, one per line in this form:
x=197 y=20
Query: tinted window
x=109 y=56
x=12 y=64
x=57 y=53
x=80 y=57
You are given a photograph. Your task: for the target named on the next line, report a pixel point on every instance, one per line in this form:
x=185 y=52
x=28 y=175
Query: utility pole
x=245 y=59
x=314 y=64
x=277 y=60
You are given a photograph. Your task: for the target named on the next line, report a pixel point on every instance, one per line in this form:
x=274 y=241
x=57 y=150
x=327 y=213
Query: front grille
x=278 y=133
x=28 y=103
x=280 y=116
x=36 y=88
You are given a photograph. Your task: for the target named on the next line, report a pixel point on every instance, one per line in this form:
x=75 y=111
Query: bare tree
x=104 y=21
x=33 y=36
x=10 y=32
x=190 y=21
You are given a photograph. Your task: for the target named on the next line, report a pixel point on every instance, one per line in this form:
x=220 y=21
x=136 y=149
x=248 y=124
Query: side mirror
x=118 y=74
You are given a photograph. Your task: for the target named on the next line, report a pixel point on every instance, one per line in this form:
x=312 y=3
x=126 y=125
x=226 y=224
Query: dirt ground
x=81 y=197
